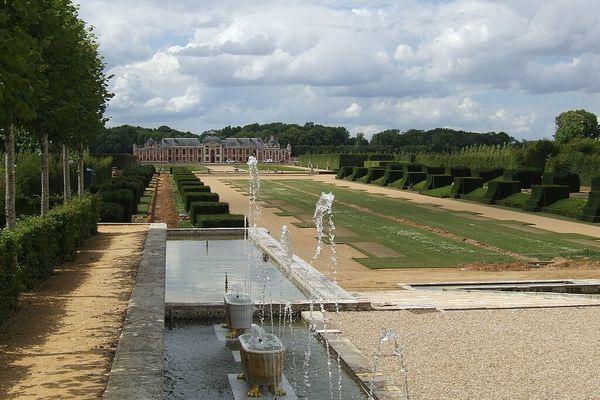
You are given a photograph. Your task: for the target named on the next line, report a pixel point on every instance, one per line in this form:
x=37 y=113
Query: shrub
x=344 y=172
x=392 y=175
x=411 y=167
x=373 y=174
x=487 y=174
x=544 y=195
x=193 y=188
x=438 y=181
x=458 y=171
x=591 y=211
x=518 y=200
x=498 y=190
x=121 y=161
x=596 y=184
x=220 y=221
x=207 y=207
x=434 y=170
x=37 y=244
x=111 y=212
x=527 y=176
x=465 y=185
x=412 y=178
x=566 y=178
x=124 y=198
x=357 y=172
x=198 y=196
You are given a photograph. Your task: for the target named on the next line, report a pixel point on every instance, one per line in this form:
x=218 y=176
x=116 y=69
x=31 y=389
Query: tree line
x=53 y=91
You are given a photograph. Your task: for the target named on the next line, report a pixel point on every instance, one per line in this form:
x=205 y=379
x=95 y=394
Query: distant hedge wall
x=332 y=161
x=438 y=181
x=29 y=253
x=498 y=190
x=487 y=173
x=465 y=185
x=544 y=195
x=569 y=179
x=527 y=176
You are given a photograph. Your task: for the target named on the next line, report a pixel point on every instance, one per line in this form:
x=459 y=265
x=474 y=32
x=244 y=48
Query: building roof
x=180 y=142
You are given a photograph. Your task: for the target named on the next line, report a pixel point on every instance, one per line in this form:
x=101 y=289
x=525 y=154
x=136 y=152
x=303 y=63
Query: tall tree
x=576 y=123
x=21 y=82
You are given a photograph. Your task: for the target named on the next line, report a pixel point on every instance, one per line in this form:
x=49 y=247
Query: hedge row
x=29 y=253
x=202 y=205
x=121 y=195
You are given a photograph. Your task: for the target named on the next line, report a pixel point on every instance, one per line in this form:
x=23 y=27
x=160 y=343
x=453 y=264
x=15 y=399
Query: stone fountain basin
x=262 y=363
x=239 y=308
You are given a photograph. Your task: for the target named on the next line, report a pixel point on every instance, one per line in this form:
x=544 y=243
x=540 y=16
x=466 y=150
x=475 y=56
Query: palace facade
x=212 y=150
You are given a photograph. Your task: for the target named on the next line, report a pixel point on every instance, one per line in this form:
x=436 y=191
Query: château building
x=212 y=150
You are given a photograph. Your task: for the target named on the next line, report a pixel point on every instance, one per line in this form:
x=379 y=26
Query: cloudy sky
x=481 y=65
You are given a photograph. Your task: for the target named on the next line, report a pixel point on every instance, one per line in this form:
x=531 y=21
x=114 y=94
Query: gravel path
x=496 y=354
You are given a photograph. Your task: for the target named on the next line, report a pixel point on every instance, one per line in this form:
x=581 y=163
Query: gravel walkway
x=500 y=354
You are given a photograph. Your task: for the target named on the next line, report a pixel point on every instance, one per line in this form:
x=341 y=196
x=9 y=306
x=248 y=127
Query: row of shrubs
x=29 y=253
x=503 y=186
x=203 y=206
x=121 y=195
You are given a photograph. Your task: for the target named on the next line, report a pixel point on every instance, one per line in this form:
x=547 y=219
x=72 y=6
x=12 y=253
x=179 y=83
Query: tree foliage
x=576 y=124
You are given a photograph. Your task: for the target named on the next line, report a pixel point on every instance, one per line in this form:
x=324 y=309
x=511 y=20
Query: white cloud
x=399 y=65
x=353 y=111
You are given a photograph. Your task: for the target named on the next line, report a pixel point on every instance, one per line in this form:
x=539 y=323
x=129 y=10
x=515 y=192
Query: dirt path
x=61 y=342
x=356 y=277
x=165 y=210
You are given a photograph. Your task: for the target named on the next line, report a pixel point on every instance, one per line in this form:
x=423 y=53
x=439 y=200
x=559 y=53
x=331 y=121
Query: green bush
x=411 y=167
x=569 y=179
x=527 y=176
x=198 y=196
x=220 y=221
x=381 y=157
x=357 y=173
x=207 y=207
x=487 y=174
x=332 y=161
x=124 y=198
x=458 y=171
x=121 y=161
x=29 y=253
x=498 y=190
x=193 y=188
x=595 y=184
x=434 y=170
x=412 y=178
x=111 y=212
x=544 y=195
x=465 y=185
x=344 y=172
x=438 y=181
x=392 y=175
x=591 y=211
x=373 y=174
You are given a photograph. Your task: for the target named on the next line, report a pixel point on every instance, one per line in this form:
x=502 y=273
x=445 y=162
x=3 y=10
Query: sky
x=477 y=65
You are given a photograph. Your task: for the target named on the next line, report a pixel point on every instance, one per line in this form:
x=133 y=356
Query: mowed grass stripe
x=419 y=248
x=535 y=243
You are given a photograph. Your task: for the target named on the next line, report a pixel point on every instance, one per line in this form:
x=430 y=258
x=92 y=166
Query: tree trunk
x=80 y=172
x=9 y=165
x=45 y=197
x=66 y=175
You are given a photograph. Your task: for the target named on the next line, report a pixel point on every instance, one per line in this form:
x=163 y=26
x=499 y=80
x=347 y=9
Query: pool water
x=196 y=272
x=197 y=364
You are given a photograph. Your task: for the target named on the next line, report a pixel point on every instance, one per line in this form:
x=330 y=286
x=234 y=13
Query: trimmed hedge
x=357 y=172
x=595 y=184
x=198 y=196
x=465 y=185
x=392 y=175
x=527 y=176
x=188 y=181
x=569 y=179
x=193 y=188
x=381 y=157
x=333 y=161
x=438 y=181
x=124 y=198
x=412 y=167
x=207 y=207
x=344 y=172
x=111 y=212
x=487 y=174
x=30 y=252
x=412 y=178
x=591 y=211
x=373 y=174
x=458 y=171
x=435 y=170
x=498 y=190
x=544 y=195
x=220 y=221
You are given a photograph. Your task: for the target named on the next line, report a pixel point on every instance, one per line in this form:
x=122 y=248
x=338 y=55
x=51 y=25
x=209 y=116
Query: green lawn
x=417 y=247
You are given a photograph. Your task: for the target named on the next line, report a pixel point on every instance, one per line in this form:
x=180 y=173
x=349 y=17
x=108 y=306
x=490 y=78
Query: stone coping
x=205 y=232
x=138 y=368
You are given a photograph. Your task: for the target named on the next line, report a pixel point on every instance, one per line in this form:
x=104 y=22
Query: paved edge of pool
x=138 y=368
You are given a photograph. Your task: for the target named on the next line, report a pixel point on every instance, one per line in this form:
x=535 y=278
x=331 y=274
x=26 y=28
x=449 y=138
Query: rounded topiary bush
x=111 y=212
